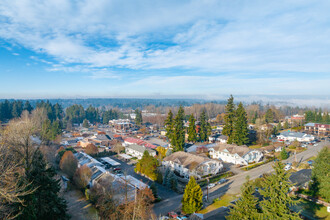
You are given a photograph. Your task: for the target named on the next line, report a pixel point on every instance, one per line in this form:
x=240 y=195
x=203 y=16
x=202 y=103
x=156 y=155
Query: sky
x=140 y=48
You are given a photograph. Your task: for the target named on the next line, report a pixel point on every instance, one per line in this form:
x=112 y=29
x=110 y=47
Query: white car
x=287 y=167
x=211 y=185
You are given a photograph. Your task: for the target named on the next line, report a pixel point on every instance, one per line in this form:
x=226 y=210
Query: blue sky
x=61 y=48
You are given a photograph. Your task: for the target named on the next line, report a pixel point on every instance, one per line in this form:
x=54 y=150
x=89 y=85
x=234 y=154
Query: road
x=235 y=182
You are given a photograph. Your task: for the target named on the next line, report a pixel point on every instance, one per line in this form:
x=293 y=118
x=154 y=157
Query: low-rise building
x=218 y=138
x=231 y=153
x=292 y=136
x=138 y=150
x=187 y=165
x=318 y=129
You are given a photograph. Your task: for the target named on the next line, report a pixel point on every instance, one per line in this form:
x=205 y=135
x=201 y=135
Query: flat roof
x=135 y=182
x=110 y=161
x=125 y=156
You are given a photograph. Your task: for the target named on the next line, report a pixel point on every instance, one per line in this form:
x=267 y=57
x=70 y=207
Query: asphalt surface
x=235 y=182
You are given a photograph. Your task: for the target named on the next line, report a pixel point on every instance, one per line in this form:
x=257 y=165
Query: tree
x=153 y=188
x=169 y=123
x=192 y=200
x=255 y=117
x=69 y=164
x=284 y=154
x=192 y=136
x=240 y=133
x=147 y=165
x=138 y=117
x=286 y=124
x=228 y=128
x=27 y=107
x=269 y=116
x=85 y=123
x=44 y=202
x=205 y=128
x=82 y=176
x=92 y=114
x=321 y=174
x=161 y=152
x=245 y=206
x=179 y=131
x=91 y=149
x=279 y=126
x=277 y=201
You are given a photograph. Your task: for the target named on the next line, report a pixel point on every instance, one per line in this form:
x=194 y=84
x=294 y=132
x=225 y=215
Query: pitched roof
x=301 y=177
x=140 y=148
x=294 y=134
x=233 y=149
x=187 y=160
x=140 y=142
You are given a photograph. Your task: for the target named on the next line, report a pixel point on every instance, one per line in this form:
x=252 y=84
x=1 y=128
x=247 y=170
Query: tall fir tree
x=44 y=202
x=27 y=106
x=255 y=117
x=179 y=131
x=284 y=154
x=138 y=117
x=321 y=174
x=205 y=128
x=169 y=123
x=240 y=134
x=228 y=128
x=192 y=135
x=245 y=207
x=277 y=201
x=269 y=116
x=192 y=200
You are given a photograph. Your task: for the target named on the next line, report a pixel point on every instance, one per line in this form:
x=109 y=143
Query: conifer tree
x=269 y=117
x=192 y=135
x=228 y=128
x=255 y=117
x=138 y=117
x=44 y=202
x=321 y=174
x=277 y=202
x=169 y=123
x=245 y=207
x=286 y=124
x=192 y=200
x=284 y=154
x=85 y=123
x=240 y=133
x=279 y=126
x=205 y=128
x=179 y=131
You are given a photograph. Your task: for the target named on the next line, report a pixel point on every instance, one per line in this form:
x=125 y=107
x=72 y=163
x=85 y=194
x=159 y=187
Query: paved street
x=234 y=184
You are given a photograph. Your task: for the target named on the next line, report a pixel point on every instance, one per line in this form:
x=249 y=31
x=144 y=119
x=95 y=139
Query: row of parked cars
x=221 y=181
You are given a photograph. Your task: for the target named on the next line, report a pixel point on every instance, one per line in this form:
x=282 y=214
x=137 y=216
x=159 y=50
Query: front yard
x=223 y=201
x=312 y=210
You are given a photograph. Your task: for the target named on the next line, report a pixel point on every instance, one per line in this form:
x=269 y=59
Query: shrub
x=69 y=164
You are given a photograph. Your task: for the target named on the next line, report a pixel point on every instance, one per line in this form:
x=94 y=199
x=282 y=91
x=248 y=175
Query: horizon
x=187 y=49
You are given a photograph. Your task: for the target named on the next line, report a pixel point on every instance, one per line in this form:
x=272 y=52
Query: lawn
x=255 y=146
x=313 y=210
x=224 y=201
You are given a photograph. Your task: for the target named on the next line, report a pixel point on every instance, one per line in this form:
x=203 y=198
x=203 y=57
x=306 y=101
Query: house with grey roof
x=138 y=150
x=301 y=178
x=231 y=153
x=292 y=136
x=187 y=164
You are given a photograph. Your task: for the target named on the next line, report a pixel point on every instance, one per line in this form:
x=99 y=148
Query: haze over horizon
x=208 y=49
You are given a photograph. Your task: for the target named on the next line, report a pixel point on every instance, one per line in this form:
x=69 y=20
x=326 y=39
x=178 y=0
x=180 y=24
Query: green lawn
x=224 y=201
x=313 y=210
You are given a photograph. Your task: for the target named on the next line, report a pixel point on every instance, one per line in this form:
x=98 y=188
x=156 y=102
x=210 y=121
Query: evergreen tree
x=279 y=126
x=228 y=128
x=192 y=200
x=85 y=123
x=179 y=131
x=58 y=112
x=284 y=154
x=138 y=117
x=240 y=133
x=167 y=172
x=286 y=124
x=245 y=207
x=321 y=174
x=277 y=202
x=192 y=135
x=153 y=188
x=92 y=114
x=27 y=107
x=205 y=128
x=269 y=117
x=44 y=202
x=169 y=123
x=255 y=117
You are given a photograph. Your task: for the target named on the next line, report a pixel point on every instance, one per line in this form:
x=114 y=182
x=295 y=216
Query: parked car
x=211 y=185
x=181 y=217
x=310 y=162
x=287 y=167
x=172 y=215
x=221 y=181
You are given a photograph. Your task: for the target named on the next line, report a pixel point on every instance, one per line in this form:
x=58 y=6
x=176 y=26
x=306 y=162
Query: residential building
x=301 y=178
x=187 y=164
x=85 y=159
x=292 y=136
x=130 y=141
x=231 y=153
x=218 y=138
x=138 y=150
x=318 y=129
